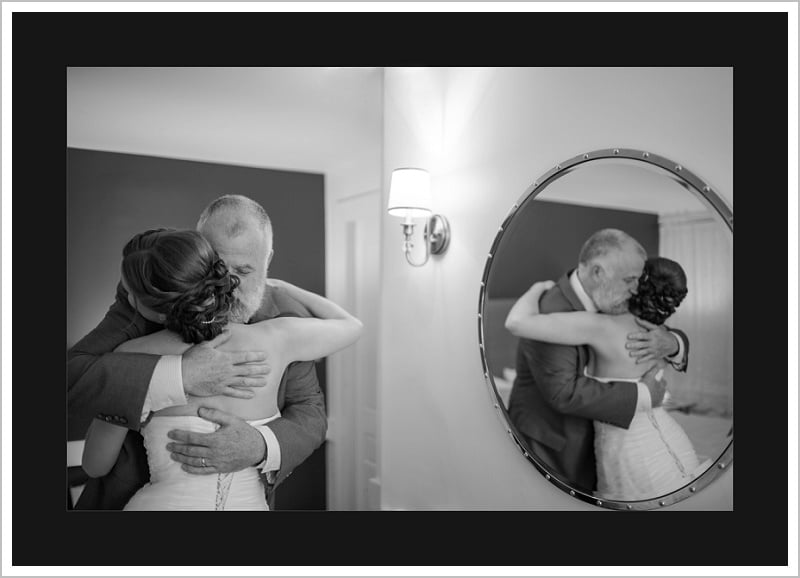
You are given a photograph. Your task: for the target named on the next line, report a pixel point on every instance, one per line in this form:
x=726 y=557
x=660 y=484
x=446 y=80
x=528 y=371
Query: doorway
x=353 y=428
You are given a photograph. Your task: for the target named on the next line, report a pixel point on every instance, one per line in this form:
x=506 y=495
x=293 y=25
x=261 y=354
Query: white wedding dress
x=650 y=459
x=171 y=488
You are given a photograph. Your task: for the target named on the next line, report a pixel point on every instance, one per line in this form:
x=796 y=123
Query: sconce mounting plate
x=437 y=231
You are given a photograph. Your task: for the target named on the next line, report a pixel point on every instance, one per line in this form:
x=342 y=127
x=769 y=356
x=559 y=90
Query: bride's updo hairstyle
x=177 y=273
x=662 y=287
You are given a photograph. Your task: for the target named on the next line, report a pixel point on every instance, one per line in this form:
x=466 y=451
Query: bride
x=176 y=278
x=654 y=456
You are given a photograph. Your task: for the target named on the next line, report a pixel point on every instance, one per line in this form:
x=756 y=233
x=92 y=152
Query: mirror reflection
x=608 y=330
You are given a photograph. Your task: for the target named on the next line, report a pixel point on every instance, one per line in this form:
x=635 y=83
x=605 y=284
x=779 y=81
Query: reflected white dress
x=171 y=488
x=652 y=458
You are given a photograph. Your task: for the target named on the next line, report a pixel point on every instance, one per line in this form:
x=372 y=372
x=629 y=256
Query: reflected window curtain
x=704 y=248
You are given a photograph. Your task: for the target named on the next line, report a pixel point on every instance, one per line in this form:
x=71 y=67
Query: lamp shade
x=410 y=193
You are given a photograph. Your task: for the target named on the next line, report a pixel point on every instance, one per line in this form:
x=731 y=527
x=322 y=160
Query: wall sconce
x=410 y=197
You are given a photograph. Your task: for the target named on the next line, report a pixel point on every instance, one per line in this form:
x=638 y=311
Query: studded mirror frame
x=690 y=181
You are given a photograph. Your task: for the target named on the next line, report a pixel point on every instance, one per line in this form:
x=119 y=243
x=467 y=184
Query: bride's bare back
x=610 y=357
x=267 y=336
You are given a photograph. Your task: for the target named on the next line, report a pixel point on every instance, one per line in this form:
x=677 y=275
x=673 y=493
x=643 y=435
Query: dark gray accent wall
x=112 y=196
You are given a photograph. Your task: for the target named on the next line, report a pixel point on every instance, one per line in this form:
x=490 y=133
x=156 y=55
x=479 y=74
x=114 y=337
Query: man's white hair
x=605 y=240
x=239 y=207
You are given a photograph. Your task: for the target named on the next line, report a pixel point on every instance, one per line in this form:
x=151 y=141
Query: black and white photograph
x=212 y=269
x=405 y=290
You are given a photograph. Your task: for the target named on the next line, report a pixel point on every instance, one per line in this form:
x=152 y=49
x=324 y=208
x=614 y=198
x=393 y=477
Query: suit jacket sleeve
x=564 y=386
x=303 y=423
x=102 y=382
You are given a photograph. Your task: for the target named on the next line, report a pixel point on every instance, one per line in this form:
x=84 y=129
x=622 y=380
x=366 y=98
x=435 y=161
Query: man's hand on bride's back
x=207 y=370
x=651 y=342
x=235 y=445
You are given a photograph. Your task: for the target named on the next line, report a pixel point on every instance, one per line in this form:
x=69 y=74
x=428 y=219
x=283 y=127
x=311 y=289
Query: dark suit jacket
x=552 y=404
x=113 y=386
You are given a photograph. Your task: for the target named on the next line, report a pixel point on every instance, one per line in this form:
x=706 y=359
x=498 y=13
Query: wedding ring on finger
x=203 y=461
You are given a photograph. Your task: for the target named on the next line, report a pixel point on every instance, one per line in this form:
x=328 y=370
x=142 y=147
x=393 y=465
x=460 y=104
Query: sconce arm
x=408 y=231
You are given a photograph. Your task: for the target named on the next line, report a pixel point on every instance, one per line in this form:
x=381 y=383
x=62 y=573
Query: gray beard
x=600 y=301
x=245 y=305
x=618 y=309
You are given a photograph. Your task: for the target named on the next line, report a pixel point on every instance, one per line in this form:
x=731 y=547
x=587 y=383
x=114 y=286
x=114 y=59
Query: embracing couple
x=588 y=396
x=198 y=390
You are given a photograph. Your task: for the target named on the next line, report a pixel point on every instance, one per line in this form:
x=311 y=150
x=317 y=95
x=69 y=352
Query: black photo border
x=45 y=43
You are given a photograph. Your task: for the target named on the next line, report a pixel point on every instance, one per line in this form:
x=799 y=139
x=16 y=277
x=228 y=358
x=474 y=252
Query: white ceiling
x=304 y=119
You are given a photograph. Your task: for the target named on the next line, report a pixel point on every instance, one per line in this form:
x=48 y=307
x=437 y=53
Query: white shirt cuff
x=643 y=402
x=677 y=359
x=272 y=464
x=166 y=386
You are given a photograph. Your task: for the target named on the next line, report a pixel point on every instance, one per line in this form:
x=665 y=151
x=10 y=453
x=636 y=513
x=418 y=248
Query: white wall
x=486 y=135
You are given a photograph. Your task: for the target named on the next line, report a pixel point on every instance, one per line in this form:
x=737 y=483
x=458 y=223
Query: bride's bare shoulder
x=243 y=336
x=248 y=330
x=267 y=327
x=623 y=320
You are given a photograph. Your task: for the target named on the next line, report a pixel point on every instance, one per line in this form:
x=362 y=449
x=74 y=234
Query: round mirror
x=576 y=402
